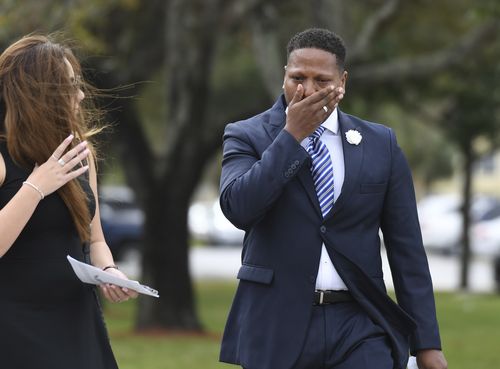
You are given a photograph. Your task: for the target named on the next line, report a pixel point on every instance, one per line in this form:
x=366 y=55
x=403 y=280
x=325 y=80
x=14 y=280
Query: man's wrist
x=431 y=358
x=295 y=135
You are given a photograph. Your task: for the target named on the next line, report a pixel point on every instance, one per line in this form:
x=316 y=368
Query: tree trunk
x=190 y=42
x=165 y=264
x=466 y=195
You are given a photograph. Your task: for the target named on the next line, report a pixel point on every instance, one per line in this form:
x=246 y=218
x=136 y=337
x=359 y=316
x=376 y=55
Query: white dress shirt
x=328 y=278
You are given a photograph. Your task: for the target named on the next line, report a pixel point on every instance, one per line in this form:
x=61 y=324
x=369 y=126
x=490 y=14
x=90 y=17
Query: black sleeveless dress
x=49 y=319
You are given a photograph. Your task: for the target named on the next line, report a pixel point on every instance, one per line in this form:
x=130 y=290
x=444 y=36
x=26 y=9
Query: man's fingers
x=331 y=100
x=322 y=96
x=299 y=93
x=62 y=147
x=338 y=97
x=340 y=94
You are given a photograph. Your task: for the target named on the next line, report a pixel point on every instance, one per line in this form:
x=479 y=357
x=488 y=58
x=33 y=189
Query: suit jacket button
x=296 y=162
x=322 y=229
x=312 y=279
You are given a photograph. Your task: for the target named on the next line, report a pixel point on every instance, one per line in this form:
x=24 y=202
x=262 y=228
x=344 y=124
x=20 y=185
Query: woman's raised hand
x=59 y=169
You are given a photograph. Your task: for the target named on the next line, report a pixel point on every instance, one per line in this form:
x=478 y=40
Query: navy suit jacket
x=267 y=190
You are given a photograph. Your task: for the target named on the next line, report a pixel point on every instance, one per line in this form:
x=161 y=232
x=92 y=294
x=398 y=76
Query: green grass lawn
x=470 y=329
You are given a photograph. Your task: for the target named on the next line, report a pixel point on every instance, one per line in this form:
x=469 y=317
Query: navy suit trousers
x=342 y=336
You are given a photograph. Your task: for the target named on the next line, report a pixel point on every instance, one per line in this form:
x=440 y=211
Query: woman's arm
x=17 y=212
x=44 y=180
x=100 y=254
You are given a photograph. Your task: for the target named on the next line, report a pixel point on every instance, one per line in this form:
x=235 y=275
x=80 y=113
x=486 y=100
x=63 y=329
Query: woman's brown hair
x=40 y=98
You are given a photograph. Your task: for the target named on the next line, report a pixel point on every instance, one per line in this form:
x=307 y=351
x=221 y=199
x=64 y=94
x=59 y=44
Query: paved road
x=224 y=262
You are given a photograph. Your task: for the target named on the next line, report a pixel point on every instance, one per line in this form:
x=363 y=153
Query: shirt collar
x=331 y=123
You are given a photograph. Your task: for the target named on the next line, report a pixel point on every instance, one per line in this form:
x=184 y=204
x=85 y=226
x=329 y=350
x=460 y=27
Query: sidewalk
x=220 y=262
x=224 y=263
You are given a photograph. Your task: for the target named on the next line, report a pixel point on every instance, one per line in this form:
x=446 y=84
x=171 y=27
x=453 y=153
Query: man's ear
x=343 y=79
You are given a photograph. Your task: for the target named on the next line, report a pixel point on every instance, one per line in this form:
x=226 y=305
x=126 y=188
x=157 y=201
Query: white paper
x=412 y=363
x=92 y=275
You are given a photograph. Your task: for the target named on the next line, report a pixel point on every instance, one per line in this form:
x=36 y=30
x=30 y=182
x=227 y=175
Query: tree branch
x=429 y=64
x=130 y=139
x=236 y=11
x=188 y=71
x=371 y=27
x=266 y=48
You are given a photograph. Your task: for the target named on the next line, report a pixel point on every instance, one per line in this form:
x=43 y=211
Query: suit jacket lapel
x=353 y=155
x=275 y=119
x=305 y=179
x=273 y=126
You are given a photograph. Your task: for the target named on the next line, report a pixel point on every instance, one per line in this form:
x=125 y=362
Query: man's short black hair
x=318 y=38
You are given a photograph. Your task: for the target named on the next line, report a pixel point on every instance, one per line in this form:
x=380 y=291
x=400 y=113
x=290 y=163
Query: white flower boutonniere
x=353 y=137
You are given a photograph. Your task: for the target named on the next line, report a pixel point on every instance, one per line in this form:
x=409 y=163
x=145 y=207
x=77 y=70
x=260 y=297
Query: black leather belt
x=328 y=297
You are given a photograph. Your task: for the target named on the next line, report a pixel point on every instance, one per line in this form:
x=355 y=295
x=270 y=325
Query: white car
x=486 y=235
x=441 y=220
x=208 y=224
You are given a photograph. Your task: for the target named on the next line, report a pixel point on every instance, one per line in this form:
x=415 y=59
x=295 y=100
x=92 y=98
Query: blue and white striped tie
x=321 y=170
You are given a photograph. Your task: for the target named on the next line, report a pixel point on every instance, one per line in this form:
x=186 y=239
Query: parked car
x=122 y=222
x=485 y=234
x=441 y=219
x=440 y=222
x=208 y=224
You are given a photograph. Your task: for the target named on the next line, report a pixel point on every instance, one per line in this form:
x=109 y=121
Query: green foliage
x=474 y=98
x=126 y=33
x=427 y=151
x=235 y=77
x=427 y=25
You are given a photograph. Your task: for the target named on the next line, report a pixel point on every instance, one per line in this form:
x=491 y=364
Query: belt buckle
x=321 y=296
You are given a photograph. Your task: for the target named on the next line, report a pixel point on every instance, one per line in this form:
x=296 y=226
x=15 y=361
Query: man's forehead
x=311 y=56
x=313 y=60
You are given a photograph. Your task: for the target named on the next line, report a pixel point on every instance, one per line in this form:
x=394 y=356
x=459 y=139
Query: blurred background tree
x=471 y=122
x=423 y=67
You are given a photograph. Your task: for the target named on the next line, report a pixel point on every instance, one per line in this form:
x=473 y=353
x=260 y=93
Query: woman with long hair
x=48 y=210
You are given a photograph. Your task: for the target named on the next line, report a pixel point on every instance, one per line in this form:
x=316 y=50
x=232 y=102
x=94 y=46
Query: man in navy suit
x=311 y=293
